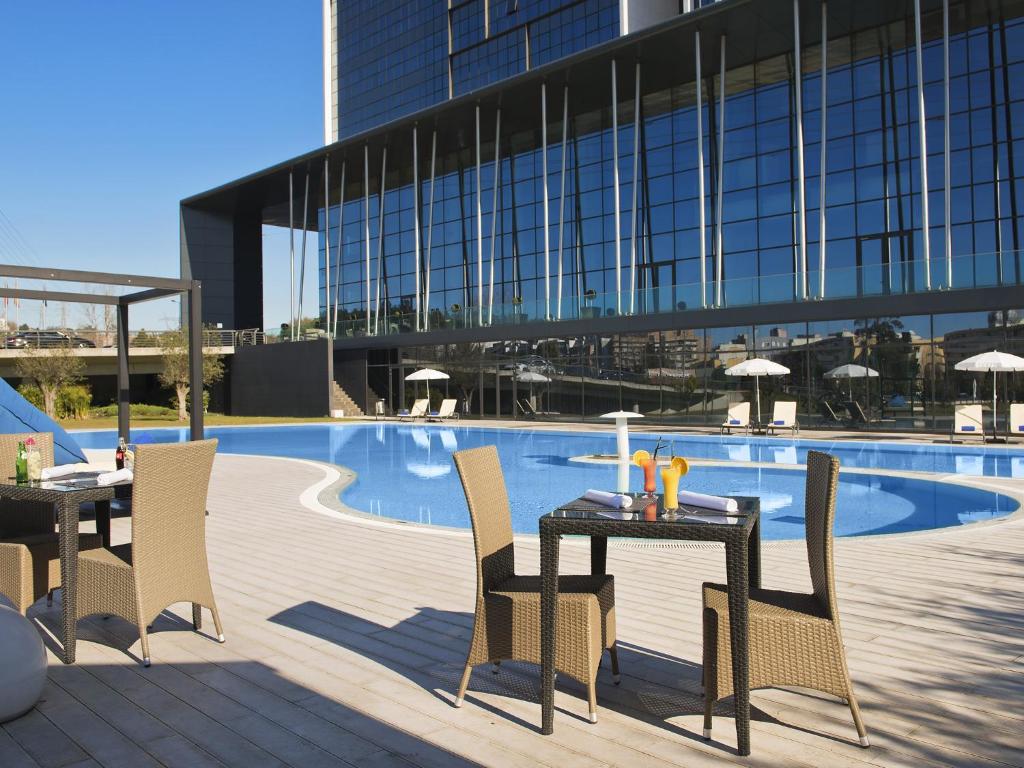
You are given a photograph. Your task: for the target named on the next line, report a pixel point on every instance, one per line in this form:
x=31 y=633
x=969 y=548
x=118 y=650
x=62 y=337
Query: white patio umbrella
x=427 y=375
x=851 y=371
x=992 y=362
x=757 y=367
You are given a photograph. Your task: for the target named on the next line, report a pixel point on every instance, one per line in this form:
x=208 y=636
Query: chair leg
x=49 y=599
x=613 y=652
x=216 y=623
x=862 y=732
x=710 y=664
x=197 y=616
x=144 y=637
x=592 y=699
x=463 y=685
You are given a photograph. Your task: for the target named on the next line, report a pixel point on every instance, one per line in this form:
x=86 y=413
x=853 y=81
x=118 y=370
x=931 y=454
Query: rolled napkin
x=607 y=499
x=52 y=473
x=118 y=476
x=717 y=503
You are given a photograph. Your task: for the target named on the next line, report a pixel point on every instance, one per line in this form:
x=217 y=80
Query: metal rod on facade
x=615 y=184
x=636 y=167
x=721 y=176
x=430 y=233
x=945 y=151
x=700 y=175
x=479 y=231
x=416 y=222
x=923 y=148
x=380 y=240
x=366 y=228
x=337 y=258
x=544 y=173
x=561 y=198
x=494 y=212
x=302 y=265
x=824 y=151
x=291 y=250
x=798 y=76
x=327 y=248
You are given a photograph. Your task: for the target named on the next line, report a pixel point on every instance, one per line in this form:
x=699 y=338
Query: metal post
x=561 y=199
x=327 y=248
x=366 y=227
x=824 y=150
x=479 y=231
x=430 y=233
x=494 y=214
x=416 y=222
x=700 y=175
x=123 y=383
x=945 y=151
x=615 y=184
x=291 y=251
x=337 y=259
x=721 y=176
x=798 y=78
x=380 y=240
x=636 y=167
x=923 y=148
x=302 y=264
x=195 y=358
x=544 y=173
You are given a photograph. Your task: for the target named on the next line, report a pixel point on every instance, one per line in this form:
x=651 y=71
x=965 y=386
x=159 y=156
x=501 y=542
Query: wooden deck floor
x=345 y=641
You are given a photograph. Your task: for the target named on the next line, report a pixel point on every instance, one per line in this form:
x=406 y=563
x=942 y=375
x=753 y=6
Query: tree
x=50 y=369
x=176 y=372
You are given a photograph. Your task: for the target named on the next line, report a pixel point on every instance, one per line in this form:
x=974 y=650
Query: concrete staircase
x=341 y=401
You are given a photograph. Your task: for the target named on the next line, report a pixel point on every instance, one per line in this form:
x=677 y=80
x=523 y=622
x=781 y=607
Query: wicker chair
x=794 y=638
x=29 y=554
x=165 y=563
x=506 y=625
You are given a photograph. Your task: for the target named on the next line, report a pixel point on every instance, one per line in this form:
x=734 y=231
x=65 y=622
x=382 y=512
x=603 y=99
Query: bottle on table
x=21 y=463
x=120 y=452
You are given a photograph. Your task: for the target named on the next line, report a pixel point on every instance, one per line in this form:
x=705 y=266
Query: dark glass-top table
x=67 y=494
x=648 y=519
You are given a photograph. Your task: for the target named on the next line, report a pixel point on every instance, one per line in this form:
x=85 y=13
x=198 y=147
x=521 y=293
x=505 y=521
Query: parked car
x=46 y=339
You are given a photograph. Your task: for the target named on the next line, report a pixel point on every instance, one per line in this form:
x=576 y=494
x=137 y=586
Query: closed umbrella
x=994 y=362
x=427 y=375
x=852 y=371
x=757 y=367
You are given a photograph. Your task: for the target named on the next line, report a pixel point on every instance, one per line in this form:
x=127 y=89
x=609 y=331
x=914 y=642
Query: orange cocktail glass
x=650 y=477
x=670 y=484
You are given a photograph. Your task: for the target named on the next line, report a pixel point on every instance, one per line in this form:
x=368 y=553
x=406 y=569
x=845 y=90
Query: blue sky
x=111 y=112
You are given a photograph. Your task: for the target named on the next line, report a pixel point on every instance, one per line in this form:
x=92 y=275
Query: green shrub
x=138 y=410
x=73 y=401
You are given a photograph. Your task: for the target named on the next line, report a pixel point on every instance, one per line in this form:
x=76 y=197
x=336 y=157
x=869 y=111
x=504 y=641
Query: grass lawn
x=211 y=420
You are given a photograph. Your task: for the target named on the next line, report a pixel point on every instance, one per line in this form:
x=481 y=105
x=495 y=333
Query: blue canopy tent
x=19 y=415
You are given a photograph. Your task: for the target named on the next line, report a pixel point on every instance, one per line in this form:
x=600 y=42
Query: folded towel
x=967 y=428
x=716 y=519
x=779 y=422
x=118 y=476
x=717 y=503
x=52 y=473
x=604 y=498
x=734 y=421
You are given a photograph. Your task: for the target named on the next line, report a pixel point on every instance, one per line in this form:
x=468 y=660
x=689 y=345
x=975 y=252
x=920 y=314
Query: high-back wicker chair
x=165 y=563
x=29 y=554
x=506 y=625
x=795 y=638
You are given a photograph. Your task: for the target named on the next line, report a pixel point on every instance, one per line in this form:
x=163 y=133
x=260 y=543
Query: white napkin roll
x=52 y=473
x=109 y=478
x=607 y=499
x=717 y=503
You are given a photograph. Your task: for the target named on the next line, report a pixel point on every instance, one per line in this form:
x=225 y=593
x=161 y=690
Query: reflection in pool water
x=406 y=472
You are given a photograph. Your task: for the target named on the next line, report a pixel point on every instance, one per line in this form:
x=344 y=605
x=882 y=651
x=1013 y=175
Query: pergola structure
x=147 y=289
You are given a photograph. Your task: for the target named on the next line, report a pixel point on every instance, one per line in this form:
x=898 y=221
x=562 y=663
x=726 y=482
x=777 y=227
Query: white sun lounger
x=967 y=421
x=737 y=418
x=784 y=417
x=419 y=410
x=1016 y=425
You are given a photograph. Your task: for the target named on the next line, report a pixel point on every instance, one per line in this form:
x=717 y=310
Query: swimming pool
x=406 y=472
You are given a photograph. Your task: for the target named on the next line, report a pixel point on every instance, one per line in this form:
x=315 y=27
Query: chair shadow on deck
x=429 y=649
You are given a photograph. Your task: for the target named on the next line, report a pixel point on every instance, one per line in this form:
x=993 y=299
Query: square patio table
x=67 y=494
x=648 y=519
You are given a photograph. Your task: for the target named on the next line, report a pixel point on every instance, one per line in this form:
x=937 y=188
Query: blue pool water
x=406 y=472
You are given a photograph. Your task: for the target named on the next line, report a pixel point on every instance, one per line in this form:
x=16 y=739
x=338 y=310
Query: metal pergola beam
x=153 y=288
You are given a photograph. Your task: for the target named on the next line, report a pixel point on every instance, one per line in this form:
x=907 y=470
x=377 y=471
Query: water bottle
x=21 y=464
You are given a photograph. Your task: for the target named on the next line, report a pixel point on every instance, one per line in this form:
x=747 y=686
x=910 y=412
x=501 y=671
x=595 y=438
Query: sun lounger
x=1016 y=424
x=446 y=411
x=829 y=415
x=784 y=417
x=967 y=420
x=419 y=410
x=737 y=418
x=857 y=415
